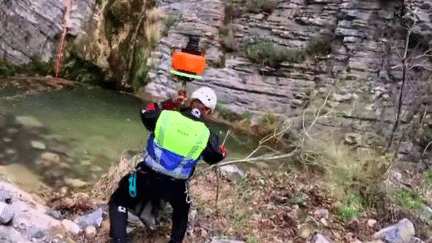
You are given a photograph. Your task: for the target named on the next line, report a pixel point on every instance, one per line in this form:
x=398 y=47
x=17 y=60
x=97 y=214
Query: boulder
x=318 y=238
x=396 y=177
x=38 y=145
x=415 y=240
x=231 y=172
x=35 y=223
x=305 y=230
x=321 y=213
x=5 y=197
x=71 y=226
x=75 y=183
x=370 y=223
x=49 y=158
x=95 y=168
x=214 y=240
x=16 y=194
x=90 y=230
x=6 y=212
x=55 y=214
x=94 y=219
x=29 y=121
x=399 y=233
x=9 y=235
x=342 y=98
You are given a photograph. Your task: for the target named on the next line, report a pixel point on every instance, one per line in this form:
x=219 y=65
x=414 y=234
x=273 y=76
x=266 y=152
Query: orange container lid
x=182 y=61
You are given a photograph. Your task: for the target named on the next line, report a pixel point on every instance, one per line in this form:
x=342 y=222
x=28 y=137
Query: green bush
x=6 y=68
x=169 y=22
x=425 y=134
x=258 y=6
x=354 y=180
x=252 y=239
x=226 y=114
x=220 y=62
x=231 y=12
x=79 y=69
x=295 y=56
x=427 y=176
x=267 y=53
x=350 y=208
x=319 y=46
x=140 y=77
x=269 y=118
x=246 y=115
x=35 y=67
x=408 y=199
x=223 y=30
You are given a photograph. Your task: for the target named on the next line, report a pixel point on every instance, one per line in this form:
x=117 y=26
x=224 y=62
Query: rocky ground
x=260 y=207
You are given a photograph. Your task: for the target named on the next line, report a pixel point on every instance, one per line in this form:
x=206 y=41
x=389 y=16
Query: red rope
x=62 y=39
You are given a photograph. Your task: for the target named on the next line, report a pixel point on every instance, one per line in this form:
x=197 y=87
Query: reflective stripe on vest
x=177 y=144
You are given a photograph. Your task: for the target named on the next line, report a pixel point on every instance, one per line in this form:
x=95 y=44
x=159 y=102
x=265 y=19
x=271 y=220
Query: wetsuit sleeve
x=213 y=153
x=151 y=113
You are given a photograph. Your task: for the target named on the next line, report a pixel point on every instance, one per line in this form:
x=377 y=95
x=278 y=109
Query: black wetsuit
x=151 y=185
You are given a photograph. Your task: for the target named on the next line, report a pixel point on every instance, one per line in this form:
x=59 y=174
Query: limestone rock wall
x=31 y=29
x=361 y=78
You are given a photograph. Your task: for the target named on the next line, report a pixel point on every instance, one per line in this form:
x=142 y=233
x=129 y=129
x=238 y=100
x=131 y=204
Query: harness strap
x=132 y=185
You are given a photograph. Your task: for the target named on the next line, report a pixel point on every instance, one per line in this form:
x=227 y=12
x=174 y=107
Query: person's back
x=177 y=141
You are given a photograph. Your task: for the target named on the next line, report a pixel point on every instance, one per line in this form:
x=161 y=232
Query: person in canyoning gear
x=178 y=139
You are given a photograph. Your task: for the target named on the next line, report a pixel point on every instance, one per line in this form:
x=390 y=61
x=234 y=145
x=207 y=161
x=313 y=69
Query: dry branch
x=404 y=70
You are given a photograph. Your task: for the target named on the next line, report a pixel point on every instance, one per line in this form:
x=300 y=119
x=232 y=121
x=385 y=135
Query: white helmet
x=207 y=96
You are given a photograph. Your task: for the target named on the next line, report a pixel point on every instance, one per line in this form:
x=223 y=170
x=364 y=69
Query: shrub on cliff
x=229 y=43
x=120 y=42
x=35 y=67
x=258 y=6
x=267 y=53
x=320 y=46
x=354 y=179
x=6 y=69
x=232 y=11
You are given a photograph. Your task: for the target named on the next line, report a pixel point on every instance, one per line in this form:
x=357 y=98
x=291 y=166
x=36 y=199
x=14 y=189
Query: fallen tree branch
x=251 y=160
x=421 y=66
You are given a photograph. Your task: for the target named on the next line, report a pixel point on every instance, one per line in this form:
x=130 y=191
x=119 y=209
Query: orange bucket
x=187 y=62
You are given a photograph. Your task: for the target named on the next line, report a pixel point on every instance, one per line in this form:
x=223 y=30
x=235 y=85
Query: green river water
x=95 y=125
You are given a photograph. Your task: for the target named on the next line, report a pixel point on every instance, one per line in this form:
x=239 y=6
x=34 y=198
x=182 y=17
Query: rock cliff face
x=361 y=77
x=31 y=29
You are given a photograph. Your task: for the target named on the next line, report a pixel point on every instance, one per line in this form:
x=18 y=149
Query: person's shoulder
x=194 y=114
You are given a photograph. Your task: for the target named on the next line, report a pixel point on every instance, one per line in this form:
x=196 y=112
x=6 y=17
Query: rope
x=66 y=18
